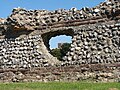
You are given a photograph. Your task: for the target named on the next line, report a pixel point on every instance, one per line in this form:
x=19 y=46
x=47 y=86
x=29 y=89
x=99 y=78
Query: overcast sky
x=6 y=7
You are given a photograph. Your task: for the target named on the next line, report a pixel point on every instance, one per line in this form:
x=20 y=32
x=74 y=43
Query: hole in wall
x=63 y=37
x=60 y=45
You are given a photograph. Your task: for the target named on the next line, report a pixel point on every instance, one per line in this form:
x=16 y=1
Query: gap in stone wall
x=65 y=36
x=60 y=45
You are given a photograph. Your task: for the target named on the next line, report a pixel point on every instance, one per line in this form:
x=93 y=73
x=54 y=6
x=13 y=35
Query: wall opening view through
x=60 y=45
x=59 y=39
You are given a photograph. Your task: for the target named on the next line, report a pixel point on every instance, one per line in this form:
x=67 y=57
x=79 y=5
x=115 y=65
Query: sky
x=6 y=7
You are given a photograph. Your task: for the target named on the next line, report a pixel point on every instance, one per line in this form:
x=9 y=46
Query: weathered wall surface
x=25 y=52
x=25 y=35
x=95 y=44
x=42 y=19
x=94 y=73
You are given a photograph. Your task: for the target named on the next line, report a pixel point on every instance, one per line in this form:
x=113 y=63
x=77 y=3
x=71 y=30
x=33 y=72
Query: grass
x=60 y=86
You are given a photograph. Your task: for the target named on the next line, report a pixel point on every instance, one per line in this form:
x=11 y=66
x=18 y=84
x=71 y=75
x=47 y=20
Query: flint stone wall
x=40 y=19
x=25 y=52
x=25 y=35
x=94 y=44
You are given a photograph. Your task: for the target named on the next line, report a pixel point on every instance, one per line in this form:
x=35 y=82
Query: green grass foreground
x=60 y=86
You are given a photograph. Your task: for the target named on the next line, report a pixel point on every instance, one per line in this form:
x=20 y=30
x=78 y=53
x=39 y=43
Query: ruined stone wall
x=95 y=44
x=22 y=53
x=94 y=73
x=41 y=19
x=25 y=35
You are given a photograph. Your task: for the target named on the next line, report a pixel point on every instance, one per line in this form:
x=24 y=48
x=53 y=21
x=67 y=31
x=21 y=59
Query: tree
x=61 y=52
x=65 y=48
x=56 y=53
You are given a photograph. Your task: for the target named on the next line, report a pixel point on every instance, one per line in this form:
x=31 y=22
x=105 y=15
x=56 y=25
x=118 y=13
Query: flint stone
x=69 y=58
x=117 y=24
x=77 y=48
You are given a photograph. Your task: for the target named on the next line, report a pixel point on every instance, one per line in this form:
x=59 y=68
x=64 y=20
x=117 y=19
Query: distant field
x=60 y=86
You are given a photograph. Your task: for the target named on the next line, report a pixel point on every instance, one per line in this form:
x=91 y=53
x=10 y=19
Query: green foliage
x=60 y=86
x=61 y=52
x=65 y=48
x=56 y=53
